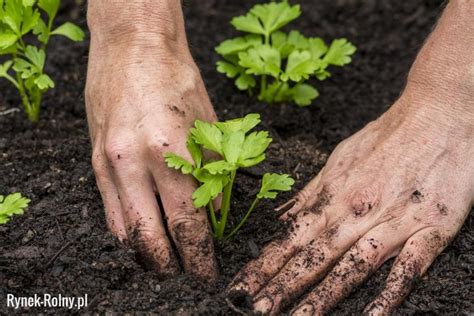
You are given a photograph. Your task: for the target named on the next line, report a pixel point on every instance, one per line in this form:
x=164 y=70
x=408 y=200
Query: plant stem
x=263 y=80
x=219 y=232
x=254 y=203
x=212 y=215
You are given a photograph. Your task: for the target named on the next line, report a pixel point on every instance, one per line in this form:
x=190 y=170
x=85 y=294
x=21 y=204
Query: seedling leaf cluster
x=13 y=204
x=238 y=148
x=25 y=66
x=282 y=62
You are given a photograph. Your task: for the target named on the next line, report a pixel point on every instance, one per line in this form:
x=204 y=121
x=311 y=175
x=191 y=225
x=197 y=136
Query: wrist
x=140 y=24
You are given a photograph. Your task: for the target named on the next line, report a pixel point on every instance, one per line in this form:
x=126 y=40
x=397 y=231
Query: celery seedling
x=282 y=61
x=13 y=204
x=238 y=148
x=25 y=68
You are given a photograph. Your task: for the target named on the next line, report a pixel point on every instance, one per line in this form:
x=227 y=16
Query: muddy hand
x=143 y=93
x=401 y=187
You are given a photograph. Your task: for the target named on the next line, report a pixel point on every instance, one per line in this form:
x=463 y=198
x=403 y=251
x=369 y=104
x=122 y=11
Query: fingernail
x=286 y=206
x=303 y=310
x=263 y=305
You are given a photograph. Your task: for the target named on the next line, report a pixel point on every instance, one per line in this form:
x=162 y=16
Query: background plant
x=12 y=204
x=283 y=62
x=25 y=65
x=238 y=148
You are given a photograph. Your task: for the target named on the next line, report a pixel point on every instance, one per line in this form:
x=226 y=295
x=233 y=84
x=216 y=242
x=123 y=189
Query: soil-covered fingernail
x=303 y=310
x=240 y=287
x=286 y=206
x=263 y=304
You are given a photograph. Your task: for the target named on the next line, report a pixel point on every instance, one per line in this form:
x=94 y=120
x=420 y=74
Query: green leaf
x=5 y=67
x=24 y=68
x=267 y=18
x=340 y=52
x=298 y=40
x=317 y=47
x=300 y=66
x=195 y=151
x=36 y=56
x=276 y=92
x=228 y=69
x=254 y=146
x=245 y=82
x=30 y=19
x=207 y=135
x=7 y=39
x=232 y=145
x=13 y=204
x=178 y=163
x=44 y=82
x=280 y=42
x=238 y=44
x=41 y=30
x=209 y=190
x=304 y=94
x=273 y=183
x=28 y=3
x=71 y=31
x=50 y=6
x=13 y=15
x=244 y=124
x=252 y=162
x=219 y=167
x=261 y=60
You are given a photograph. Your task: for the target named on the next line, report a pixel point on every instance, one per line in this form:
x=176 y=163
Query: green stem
x=212 y=215
x=225 y=207
x=236 y=229
x=12 y=80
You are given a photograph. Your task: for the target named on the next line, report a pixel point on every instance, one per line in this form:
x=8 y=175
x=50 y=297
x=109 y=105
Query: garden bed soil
x=61 y=244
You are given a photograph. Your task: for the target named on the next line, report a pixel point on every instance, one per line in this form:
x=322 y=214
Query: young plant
x=238 y=148
x=13 y=204
x=282 y=61
x=25 y=65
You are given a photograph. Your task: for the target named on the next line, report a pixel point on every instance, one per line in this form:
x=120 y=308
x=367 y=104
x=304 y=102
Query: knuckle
x=99 y=165
x=158 y=146
x=188 y=229
x=362 y=202
x=117 y=148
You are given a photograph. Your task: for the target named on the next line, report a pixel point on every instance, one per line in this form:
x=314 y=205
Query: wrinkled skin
x=143 y=94
x=401 y=187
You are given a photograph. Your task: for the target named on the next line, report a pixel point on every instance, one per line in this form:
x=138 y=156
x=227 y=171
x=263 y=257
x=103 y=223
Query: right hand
x=142 y=96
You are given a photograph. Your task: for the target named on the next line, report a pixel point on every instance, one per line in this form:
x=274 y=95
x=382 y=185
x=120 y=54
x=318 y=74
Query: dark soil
x=61 y=244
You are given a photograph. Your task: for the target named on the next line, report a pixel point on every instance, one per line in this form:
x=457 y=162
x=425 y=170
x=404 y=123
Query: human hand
x=401 y=187
x=143 y=93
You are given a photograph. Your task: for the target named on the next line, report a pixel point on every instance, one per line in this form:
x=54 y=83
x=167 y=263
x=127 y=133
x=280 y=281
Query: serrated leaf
x=252 y=161
x=298 y=40
x=304 y=94
x=36 y=56
x=244 y=124
x=207 y=135
x=238 y=44
x=209 y=190
x=280 y=42
x=44 y=82
x=317 y=47
x=5 y=67
x=24 y=68
x=245 y=82
x=195 y=151
x=261 y=60
x=29 y=20
x=71 y=31
x=230 y=70
x=300 y=66
x=13 y=15
x=178 y=163
x=13 y=204
x=339 y=53
x=267 y=18
x=232 y=145
x=254 y=145
x=7 y=40
x=219 y=167
x=41 y=30
x=49 y=6
x=273 y=183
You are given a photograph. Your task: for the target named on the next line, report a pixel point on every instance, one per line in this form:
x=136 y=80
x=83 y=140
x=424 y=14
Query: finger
x=412 y=262
x=307 y=196
x=187 y=225
x=142 y=214
x=366 y=256
x=304 y=228
x=307 y=267
x=110 y=197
